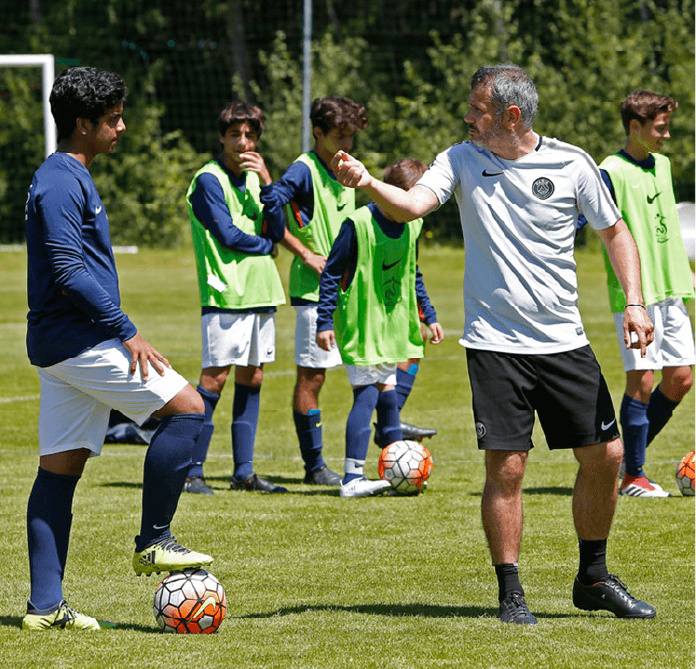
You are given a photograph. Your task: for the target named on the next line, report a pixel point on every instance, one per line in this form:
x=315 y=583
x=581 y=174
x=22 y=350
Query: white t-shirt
x=518 y=220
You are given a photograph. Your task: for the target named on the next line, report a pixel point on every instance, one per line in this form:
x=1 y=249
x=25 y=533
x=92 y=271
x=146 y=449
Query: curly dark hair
x=337 y=112
x=84 y=92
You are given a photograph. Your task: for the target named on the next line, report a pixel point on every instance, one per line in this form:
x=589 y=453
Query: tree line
x=408 y=61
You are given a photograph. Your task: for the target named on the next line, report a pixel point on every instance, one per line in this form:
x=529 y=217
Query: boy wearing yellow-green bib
x=316 y=206
x=640 y=179
x=234 y=241
x=368 y=309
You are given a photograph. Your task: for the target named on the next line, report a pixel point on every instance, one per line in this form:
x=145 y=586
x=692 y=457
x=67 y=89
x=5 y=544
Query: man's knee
x=505 y=469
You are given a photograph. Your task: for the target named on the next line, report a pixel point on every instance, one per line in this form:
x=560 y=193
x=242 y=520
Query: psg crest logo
x=543 y=188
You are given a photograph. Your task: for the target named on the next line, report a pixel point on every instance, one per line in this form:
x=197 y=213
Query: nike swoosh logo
x=652 y=199
x=200 y=611
x=486 y=173
x=606 y=426
x=98 y=210
x=159 y=527
x=386 y=267
x=341 y=207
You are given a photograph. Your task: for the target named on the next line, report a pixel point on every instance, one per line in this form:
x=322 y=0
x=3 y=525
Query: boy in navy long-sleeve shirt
x=90 y=357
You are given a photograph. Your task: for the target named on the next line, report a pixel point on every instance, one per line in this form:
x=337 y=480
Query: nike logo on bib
x=385 y=267
x=486 y=173
x=652 y=199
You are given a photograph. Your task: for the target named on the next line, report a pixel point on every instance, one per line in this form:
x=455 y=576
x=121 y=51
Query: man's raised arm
x=398 y=203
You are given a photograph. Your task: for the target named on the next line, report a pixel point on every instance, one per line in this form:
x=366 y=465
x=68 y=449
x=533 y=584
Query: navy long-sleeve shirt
x=294 y=186
x=72 y=283
x=341 y=264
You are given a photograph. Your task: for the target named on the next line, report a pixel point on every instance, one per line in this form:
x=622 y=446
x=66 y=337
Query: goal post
x=47 y=64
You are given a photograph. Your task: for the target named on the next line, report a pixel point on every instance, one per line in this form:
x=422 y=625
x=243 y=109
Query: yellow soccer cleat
x=168 y=554
x=62 y=617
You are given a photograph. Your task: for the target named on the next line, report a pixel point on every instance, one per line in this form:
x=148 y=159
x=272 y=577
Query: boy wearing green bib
x=234 y=241
x=640 y=179
x=368 y=308
x=316 y=206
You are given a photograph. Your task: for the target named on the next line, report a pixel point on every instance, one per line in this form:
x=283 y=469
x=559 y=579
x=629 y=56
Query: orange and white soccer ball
x=406 y=465
x=685 y=474
x=190 y=602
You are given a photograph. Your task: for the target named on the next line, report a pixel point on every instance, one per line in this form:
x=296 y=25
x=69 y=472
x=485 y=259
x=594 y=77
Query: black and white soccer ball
x=406 y=465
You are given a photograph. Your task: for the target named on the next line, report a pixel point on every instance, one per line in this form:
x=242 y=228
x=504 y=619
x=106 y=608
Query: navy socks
x=49 y=517
x=634 y=425
x=309 y=434
x=404 y=384
x=200 y=448
x=660 y=410
x=358 y=430
x=388 y=421
x=167 y=463
x=245 y=419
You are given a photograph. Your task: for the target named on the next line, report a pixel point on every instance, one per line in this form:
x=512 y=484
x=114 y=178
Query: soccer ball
x=406 y=465
x=190 y=602
x=685 y=475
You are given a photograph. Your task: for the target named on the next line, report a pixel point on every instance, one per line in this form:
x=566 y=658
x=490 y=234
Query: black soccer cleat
x=254 y=482
x=408 y=431
x=514 y=609
x=610 y=595
x=197 y=486
x=322 y=476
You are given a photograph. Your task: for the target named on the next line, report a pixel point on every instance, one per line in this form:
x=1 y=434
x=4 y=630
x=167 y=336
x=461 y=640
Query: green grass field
x=315 y=581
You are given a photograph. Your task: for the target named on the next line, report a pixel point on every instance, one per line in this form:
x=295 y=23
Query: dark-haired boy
x=640 y=181
x=234 y=240
x=87 y=353
x=317 y=204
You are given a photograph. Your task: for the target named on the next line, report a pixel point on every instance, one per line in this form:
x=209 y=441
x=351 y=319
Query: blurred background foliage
x=408 y=61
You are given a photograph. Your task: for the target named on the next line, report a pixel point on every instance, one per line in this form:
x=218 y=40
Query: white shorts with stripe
x=77 y=396
x=674 y=338
x=365 y=376
x=240 y=339
x=307 y=352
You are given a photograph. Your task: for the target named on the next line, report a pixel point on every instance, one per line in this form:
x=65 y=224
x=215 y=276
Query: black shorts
x=567 y=391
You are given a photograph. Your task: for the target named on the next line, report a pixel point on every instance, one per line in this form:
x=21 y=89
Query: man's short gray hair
x=509 y=84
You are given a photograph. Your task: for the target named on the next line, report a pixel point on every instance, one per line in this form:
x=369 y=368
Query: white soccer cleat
x=641 y=486
x=363 y=487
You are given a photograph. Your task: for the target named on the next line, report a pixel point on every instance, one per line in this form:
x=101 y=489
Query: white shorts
x=366 y=376
x=307 y=352
x=674 y=339
x=240 y=339
x=78 y=394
